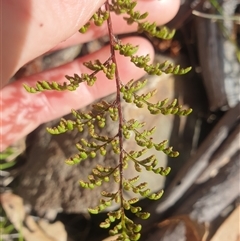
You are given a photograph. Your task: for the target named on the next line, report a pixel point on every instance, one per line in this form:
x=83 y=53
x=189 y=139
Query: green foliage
x=7 y=230
x=4 y=156
x=100 y=144
x=6 y=227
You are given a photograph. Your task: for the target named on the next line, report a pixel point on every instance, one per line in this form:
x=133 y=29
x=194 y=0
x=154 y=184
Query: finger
x=160 y=12
x=22 y=112
x=31 y=28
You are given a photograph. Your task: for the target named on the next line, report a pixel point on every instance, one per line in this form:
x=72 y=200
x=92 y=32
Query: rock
x=47 y=183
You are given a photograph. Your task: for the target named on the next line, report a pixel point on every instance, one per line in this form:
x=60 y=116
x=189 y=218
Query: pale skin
x=31 y=28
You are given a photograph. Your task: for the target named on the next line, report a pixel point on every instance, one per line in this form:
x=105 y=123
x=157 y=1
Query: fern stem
x=112 y=40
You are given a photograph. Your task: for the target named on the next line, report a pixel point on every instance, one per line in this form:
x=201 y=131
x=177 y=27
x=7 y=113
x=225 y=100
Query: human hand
x=31 y=28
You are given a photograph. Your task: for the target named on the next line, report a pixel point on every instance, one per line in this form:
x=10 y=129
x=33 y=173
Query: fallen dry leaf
x=230 y=229
x=13 y=206
x=30 y=229
x=178 y=228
